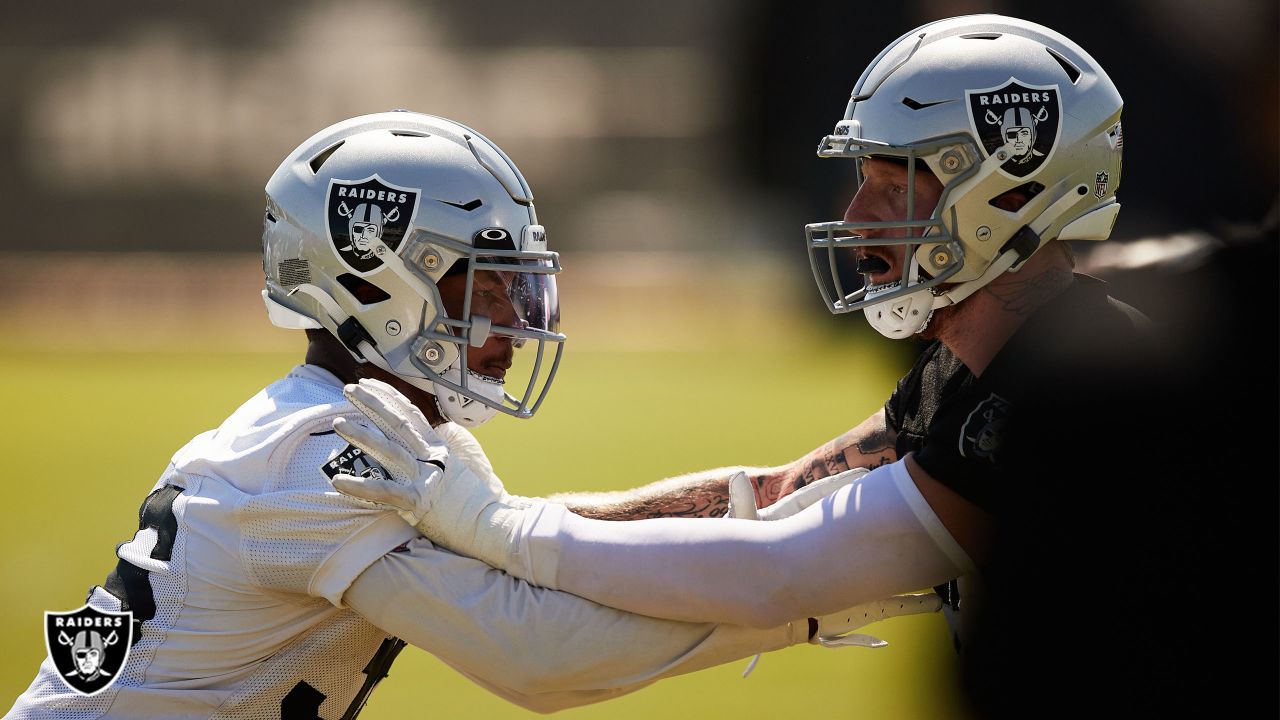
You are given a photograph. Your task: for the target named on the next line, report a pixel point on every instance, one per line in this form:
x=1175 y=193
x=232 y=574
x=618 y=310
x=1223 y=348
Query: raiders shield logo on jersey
x=1023 y=119
x=360 y=213
x=353 y=461
x=984 y=429
x=88 y=646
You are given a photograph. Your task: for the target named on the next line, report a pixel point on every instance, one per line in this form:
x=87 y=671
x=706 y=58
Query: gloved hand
x=836 y=629
x=408 y=448
x=447 y=502
x=742 y=498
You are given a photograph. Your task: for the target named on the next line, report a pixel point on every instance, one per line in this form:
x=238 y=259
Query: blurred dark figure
x=1155 y=592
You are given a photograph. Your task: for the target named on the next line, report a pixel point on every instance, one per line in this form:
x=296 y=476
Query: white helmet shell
x=365 y=217
x=989 y=104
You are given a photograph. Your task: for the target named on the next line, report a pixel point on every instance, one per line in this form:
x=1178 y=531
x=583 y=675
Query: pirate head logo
x=362 y=216
x=88 y=646
x=354 y=461
x=984 y=429
x=1022 y=121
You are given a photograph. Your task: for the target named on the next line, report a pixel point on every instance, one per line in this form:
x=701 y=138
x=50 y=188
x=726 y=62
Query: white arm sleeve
x=542 y=649
x=875 y=538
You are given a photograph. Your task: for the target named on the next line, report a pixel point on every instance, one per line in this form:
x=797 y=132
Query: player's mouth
x=497 y=369
x=876 y=268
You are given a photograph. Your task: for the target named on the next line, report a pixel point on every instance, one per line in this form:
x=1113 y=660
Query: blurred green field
x=86 y=434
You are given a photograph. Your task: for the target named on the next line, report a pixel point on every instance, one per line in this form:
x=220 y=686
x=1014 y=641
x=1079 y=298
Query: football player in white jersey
x=407 y=247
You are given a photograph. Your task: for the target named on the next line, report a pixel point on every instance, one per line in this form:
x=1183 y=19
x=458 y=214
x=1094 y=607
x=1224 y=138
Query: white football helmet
x=365 y=218
x=989 y=104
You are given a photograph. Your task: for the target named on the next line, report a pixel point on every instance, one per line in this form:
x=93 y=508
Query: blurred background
x=670 y=146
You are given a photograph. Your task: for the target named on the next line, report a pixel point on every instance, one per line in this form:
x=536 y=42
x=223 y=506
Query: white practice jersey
x=238 y=571
x=262 y=592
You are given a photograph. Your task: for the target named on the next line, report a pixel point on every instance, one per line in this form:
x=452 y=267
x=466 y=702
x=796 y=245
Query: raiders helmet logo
x=88 y=646
x=1022 y=120
x=984 y=429
x=361 y=213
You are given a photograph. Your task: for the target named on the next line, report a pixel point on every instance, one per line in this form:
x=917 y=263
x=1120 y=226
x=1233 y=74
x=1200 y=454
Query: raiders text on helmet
x=988 y=104
x=364 y=219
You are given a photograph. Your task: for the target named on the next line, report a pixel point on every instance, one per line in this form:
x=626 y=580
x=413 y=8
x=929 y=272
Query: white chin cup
x=464 y=410
x=902 y=316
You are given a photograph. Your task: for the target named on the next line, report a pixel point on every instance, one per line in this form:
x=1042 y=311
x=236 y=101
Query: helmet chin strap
x=905 y=315
x=457 y=406
x=346 y=328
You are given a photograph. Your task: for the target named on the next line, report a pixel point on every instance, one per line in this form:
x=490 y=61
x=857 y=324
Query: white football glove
x=446 y=502
x=742 y=498
x=836 y=629
x=408 y=448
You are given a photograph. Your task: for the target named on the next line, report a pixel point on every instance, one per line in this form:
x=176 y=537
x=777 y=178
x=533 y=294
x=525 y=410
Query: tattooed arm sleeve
x=870 y=444
x=703 y=494
x=706 y=493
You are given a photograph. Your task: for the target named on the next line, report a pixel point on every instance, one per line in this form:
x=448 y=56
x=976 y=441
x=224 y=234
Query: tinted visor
x=516 y=294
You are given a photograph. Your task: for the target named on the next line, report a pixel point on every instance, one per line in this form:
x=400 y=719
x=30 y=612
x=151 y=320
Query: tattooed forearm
x=826 y=461
x=878 y=447
x=870 y=445
x=703 y=505
x=704 y=495
x=876 y=441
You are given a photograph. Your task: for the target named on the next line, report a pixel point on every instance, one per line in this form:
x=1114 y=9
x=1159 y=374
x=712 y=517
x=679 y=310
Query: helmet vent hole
x=319 y=160
x=468 y=206
x=982 y=36
x=364 y=291
x=1073 y=72
x=294 y=271
x=270 y=218
x=409 y=133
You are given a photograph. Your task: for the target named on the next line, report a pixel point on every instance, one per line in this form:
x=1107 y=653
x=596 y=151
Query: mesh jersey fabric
x=247 y=594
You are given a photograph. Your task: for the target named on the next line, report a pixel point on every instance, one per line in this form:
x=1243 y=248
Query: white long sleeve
x=542 y=649
x=872 y=539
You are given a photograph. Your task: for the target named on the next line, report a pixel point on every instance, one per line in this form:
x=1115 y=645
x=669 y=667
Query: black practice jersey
x=959 y=425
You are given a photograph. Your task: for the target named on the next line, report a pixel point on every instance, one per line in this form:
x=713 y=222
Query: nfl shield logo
x=88 y=646
x=365 y=217
x=1100 y=183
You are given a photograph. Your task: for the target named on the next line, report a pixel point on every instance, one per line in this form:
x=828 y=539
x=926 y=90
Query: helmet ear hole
x=1012 y=200
x=364 y=291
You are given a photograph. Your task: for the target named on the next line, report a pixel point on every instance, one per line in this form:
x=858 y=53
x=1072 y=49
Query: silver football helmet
x=988 y=104
x=364 y=220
